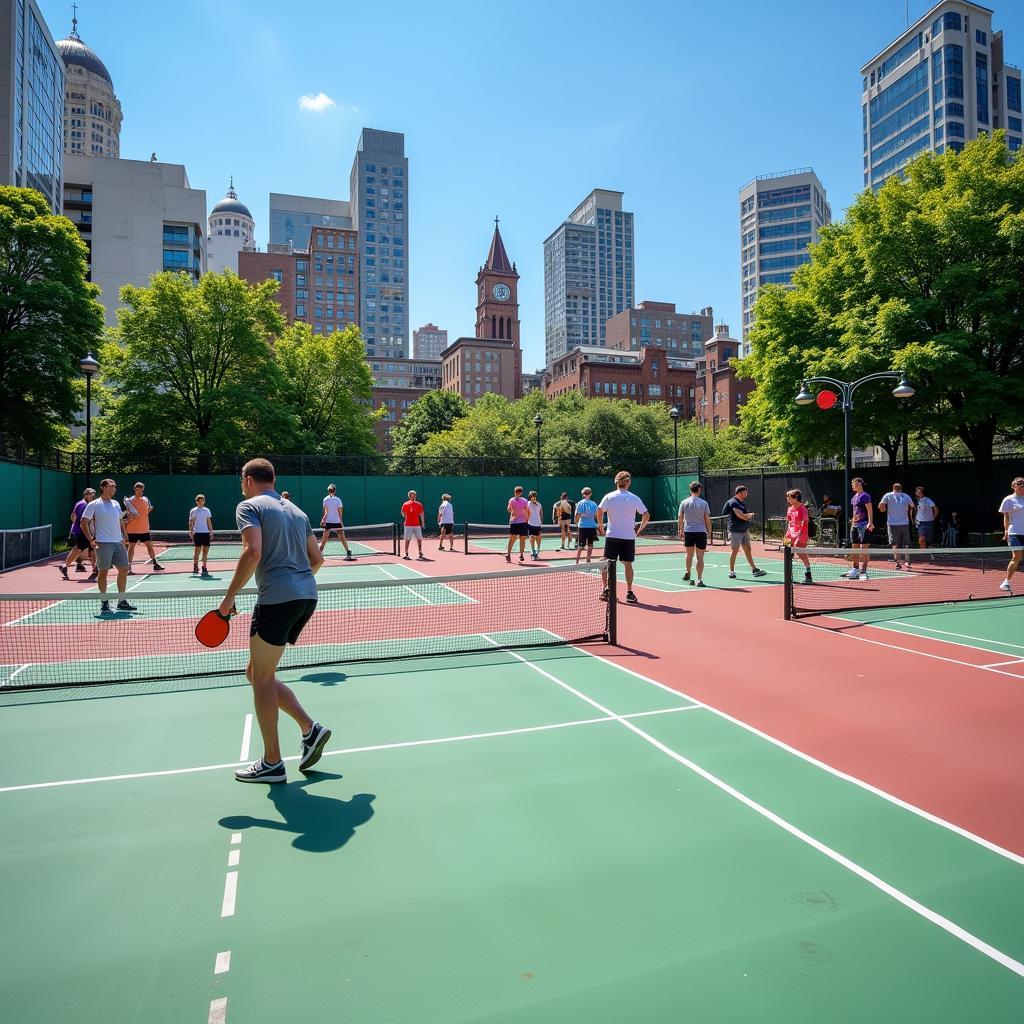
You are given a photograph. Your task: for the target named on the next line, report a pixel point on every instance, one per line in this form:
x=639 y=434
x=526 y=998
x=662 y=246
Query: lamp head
x=88 y=365
x=675 y=412
x=538 y=420
x=805 y=397
x=904 y=389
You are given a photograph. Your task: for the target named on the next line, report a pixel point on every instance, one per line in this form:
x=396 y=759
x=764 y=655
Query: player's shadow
x=323 y=678
x=321 y=823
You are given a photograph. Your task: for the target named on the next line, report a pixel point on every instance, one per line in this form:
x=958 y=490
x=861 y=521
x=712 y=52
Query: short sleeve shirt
x=536 y=514
x=200 y=518
x=1015 y=507
x=925 y=510
x=76 y=524
x=105 y=515
x=693 y=510
x=518 y=510
x=332 y=508
x=731 y=507
x=283 y=573
x=412 y=512
x=587 y=511
x=897 y=508
x=622 y=508
x=445 y=512
x=859 y=503
x=138 y=514
x=797 y=519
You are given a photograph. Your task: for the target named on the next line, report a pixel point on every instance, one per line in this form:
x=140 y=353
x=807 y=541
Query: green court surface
x=505 y=837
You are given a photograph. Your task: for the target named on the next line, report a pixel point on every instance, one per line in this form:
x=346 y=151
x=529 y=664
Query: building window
x=277 y=275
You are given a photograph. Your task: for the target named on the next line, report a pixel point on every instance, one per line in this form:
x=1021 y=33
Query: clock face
x=501 y=292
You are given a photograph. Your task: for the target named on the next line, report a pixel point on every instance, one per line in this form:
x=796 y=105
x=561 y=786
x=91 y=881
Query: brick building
x=658 y=325
x=396 y=401
x=491 y=362
x=406 y=373
x=283 y=264
x=646 y=376
x=718 y=394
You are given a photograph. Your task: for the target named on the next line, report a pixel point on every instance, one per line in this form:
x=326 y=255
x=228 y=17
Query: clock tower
x=497 y=301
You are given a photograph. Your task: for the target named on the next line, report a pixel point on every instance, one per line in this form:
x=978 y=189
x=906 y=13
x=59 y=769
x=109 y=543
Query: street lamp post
x=846 y=389
x=88 y=365
x=538 y=422
x=675 y=412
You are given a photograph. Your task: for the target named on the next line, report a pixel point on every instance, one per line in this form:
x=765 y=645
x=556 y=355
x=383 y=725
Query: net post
x=787 y=581
x=613 y=603
x=465 y=538
x=394 y=539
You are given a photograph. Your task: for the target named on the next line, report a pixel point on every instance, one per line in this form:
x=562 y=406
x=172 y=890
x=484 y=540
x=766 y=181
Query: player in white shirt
x=200 y=529
x=103 y=524
x=446 y=522
x=331 y=521
x=1012 y=509
x=926 y=515
x=621 y=507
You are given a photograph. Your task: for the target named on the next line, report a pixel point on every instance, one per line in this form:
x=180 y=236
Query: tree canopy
x=49 y=319
x=926 y=275
x=433 y=413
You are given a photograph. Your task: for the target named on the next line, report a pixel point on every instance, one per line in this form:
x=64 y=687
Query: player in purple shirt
x=862 y=524
x=78 y=544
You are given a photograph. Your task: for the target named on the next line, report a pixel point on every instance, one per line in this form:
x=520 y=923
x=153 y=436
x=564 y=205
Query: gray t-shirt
x=283 y=573
x=693 y=510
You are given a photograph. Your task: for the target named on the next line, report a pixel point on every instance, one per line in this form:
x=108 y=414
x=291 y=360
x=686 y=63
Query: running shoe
x=631 y=598
x=260 y=771
x=131 y=572
x=700 y=583
x=604 y=594
x=421 y=558
x=79 y=567
x=205 y=573
x=1005 y=585
x=406 y=557
x=349 y=557
x=124 y=606
x=760 y=572
x=690 y=581
x=732 y=575
x=157 y=567
x=195 y=570
x=104 y=607
x=808 y=578
x=864 y=574
x=899 y=566
x=521 y=559
x=686 y=577
x=313 y=746
x=508 y=558
x=63 y=571
x=853 y=574
x=94 y=575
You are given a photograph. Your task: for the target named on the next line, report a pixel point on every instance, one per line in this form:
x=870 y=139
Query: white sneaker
x=853 y=575
x=1005 y=585
x=864 y=575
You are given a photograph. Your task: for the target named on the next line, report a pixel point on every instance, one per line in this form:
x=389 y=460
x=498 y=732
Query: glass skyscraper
x=938 y=85
x=31 y=102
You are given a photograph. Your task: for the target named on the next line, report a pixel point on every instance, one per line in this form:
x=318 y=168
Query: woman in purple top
x=78 y=544
x=862 y=523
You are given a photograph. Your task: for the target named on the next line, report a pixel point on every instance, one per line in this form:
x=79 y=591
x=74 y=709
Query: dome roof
x=230 y=204
x=74 y=51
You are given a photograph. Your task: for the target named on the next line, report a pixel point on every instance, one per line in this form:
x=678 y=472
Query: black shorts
x=518 y=529
x=565 y=520
x=695 y=539
x=333 y=526
x=201 y=540
x=79 y=541
x=587 y=535
x=447 y=529
x=280 y=624
x=138 y=538
x=620 y=549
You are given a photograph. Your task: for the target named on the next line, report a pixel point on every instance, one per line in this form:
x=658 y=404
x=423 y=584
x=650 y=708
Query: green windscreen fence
x=34 y=496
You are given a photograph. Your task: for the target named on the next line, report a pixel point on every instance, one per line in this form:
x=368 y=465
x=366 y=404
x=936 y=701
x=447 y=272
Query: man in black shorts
x=278 y=545
x=621 y=507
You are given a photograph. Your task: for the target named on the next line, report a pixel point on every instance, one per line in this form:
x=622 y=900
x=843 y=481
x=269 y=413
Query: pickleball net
x=935 y=576
x=226 y=545
x=55 y=640
x=658 y=535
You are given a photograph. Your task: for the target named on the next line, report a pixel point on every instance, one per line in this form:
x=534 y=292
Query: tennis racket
x=213 y=628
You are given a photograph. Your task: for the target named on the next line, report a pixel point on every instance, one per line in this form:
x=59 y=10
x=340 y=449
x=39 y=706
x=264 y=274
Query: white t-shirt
x=621 y=508
x=105 y=514
x=1012 y=504
x=693 y=510
x=897 y=508
x=446 y=512
x=536 y=514
x=199 y=519
x=925 y=510
x=332 y=508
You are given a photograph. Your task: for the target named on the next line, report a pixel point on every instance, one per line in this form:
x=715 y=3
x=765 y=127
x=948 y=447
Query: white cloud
x=318 y=103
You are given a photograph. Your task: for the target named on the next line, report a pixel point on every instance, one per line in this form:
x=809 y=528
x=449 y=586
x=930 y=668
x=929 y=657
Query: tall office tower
x=31 y=102
x=937 y=86
x=92 y=111
x=428 y=342
x=588 y=273
x=293 y=217
x=379 y=184
x=231 y=231
x=780 y=216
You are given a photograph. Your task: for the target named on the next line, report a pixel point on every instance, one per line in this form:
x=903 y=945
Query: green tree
x=926 y=275
x=329 y=384
x=49 y=319
x=433 y=413
x=190 y=369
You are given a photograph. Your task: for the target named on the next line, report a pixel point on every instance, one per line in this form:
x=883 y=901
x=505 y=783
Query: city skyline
x=519 y=146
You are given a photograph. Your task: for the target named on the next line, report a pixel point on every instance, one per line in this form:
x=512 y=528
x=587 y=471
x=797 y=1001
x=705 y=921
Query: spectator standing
x=1012 y=509
x=694 y=530
x=412 y=517
x=798 y=522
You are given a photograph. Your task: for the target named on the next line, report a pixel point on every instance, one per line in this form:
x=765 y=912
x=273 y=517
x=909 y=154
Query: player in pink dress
x=797 y=520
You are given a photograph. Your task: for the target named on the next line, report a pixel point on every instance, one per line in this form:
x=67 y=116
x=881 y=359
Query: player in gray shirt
x=278 y=545
x=694 y=530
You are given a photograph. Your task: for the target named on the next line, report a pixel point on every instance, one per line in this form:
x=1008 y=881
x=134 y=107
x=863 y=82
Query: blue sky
x=516 y=110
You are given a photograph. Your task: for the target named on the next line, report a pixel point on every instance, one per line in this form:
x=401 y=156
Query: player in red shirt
x=797 y=520
x=412 y=516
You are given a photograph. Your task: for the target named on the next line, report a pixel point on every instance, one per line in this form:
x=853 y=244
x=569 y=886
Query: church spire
x=497 y=259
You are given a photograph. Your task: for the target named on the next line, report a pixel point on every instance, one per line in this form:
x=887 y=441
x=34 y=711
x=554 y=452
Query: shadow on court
x=321 y=823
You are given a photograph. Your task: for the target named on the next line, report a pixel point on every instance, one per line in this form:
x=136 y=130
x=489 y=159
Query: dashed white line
x=236 y=838
x=218 y=1011
x=246 y=738
x=233 y=857
x=223 y=964
x=227 y=907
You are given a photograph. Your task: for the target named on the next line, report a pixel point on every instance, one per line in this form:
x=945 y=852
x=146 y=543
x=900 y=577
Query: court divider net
x=53 y=640
x=932 y=576
x=659 y=534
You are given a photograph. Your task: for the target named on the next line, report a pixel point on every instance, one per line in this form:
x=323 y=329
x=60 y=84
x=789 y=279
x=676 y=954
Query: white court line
x=243 y=754
x=887 y=625
x=782 y=745
x=223 y=962
x=421 y=597
x=996 y=664
x=54 y=604
x=466 y=599
x=963 y=636
x=909 y=902
x=236 y=838
x=218 y=1011
x=20 y=668
x=233 y=857
x=227 y=907
x=327 y=753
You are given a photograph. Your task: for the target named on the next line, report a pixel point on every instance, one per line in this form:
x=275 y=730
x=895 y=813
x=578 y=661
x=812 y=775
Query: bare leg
x=1014 y=563
x=151 y=551
x=101 y=581
x=131 y=554
x=748 y=553
x=629 y=575
x=700 y=563
x=122 y=583
x=263 y=659
x=689 y=560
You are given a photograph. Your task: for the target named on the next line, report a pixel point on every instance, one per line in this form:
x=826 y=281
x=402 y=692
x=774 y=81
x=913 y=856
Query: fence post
x=613 y=603
x=764 y=511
